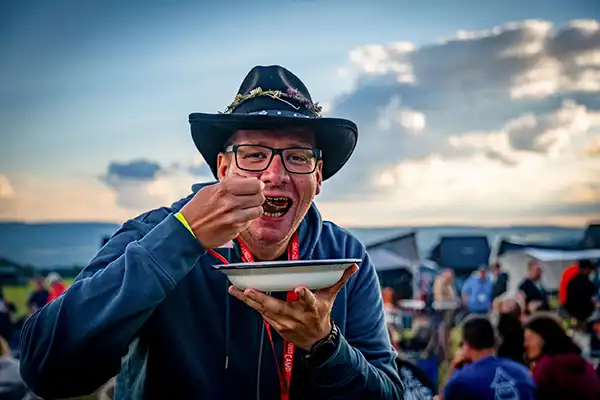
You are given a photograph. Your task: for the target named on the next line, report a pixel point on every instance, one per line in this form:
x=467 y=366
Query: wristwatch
x=324 y=349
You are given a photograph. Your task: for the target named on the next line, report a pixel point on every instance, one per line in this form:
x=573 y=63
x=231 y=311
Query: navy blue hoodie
x=149 y=308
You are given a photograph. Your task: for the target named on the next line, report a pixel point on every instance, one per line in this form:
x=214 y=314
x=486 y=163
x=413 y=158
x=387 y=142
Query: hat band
x=279 y=113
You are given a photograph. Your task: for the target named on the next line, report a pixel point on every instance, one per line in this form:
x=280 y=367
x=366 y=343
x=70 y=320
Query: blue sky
x=87 y=85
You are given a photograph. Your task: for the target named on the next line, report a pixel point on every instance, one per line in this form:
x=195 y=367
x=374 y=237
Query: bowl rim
x=287 y=264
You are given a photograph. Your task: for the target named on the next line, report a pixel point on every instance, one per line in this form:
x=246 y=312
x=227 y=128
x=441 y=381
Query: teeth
x=278 y=198
x=274 y=215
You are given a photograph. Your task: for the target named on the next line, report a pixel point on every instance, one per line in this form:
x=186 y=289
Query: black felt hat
x=273 y=98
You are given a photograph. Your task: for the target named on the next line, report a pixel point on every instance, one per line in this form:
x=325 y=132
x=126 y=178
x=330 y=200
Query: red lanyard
x=285 y=374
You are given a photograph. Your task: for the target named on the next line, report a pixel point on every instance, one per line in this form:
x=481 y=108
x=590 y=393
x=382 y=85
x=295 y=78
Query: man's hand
x=460 y=359
x=302 y=322
x=219 y=212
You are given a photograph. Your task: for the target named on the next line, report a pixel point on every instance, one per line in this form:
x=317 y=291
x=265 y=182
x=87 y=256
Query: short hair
x=532 y=263
x=478 y=333
x=587 y=264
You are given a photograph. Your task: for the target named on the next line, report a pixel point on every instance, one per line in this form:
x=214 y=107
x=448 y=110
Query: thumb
x=333 y=290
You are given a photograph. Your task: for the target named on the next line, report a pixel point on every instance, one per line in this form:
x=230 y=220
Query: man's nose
x=276 y=174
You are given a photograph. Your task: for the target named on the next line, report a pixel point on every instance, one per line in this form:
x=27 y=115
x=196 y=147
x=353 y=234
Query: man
x=444 y=288
x=581 y=293
x=393 y=315
x=532 y=290
x=477 y=373
x=569 y=273
x=500 y=281
x=56 y=285
x=39 y=296
x=446 y=302
x=510 y=330
x=151 y=297
x=477 y=292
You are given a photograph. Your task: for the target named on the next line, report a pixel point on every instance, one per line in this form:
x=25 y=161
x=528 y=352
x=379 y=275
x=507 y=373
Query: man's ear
x=222 y=165
x=319 y=175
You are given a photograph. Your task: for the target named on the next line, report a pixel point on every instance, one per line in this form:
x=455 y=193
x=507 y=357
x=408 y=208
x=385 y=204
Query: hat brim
x=336 y=137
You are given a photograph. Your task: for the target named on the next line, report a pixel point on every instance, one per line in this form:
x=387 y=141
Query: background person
x=532 y=290
x=558 y=368
x=477 y=373
x=477 y=292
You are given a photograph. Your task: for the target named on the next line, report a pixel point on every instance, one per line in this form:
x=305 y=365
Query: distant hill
x=55 y=245
x=52 y=244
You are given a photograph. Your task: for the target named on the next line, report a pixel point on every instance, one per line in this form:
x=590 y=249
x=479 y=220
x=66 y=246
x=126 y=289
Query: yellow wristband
x=182 y=219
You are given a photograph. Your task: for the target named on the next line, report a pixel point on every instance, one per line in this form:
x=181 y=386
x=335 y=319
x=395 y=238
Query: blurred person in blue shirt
x=478 y=373
x=477 y=292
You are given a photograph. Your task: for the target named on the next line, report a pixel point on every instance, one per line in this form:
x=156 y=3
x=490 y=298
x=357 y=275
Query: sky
x=470 y=112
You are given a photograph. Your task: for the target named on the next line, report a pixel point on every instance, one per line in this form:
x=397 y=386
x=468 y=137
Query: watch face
x=325 y=349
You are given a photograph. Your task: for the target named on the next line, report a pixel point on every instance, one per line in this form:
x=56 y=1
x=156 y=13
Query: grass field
x=18 y=295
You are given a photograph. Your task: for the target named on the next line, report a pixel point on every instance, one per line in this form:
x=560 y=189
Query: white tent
x=386 y=260
x=397 y=252
x=553 y=263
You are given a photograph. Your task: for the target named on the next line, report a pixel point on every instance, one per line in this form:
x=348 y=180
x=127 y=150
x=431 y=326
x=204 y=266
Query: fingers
x=251 y=200
x=242 y=186
x=306 y=297
x=246 y=214
x=334 y=289
x=238 y=294
x=268 y=306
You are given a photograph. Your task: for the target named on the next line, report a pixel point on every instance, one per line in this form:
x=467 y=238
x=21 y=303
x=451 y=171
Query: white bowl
x=283 y=276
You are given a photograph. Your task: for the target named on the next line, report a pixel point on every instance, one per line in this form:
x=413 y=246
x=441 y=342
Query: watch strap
x=323 y=349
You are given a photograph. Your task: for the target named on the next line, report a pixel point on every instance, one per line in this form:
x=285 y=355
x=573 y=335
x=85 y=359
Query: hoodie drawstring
x=227 y=319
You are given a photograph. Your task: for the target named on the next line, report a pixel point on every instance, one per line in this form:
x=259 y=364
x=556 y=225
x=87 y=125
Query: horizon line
x=383 y=226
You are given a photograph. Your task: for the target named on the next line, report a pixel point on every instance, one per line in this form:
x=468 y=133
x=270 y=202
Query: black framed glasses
x=257 y=158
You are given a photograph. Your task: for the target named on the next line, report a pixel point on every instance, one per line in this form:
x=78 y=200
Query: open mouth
x=276 y=206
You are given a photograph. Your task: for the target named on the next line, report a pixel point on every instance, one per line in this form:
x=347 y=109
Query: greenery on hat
x=290 y=94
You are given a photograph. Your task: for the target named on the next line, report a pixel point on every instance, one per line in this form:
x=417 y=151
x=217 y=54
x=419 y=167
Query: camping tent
x=393 y=270
x=463 y=254
x=553 y=263
x=397 y=253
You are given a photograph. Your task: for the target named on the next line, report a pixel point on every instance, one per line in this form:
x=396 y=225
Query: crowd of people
x=44 y=291
x=512 y=345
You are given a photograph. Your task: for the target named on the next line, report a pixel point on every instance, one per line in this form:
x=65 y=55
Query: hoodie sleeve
x=75 y=343
x=364 y=364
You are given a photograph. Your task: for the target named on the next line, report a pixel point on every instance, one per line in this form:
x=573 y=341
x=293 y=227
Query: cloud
x=592 y=149
x=6 y=189
x=508 y=101
x=75 y=199
x=144 y=184
x=141 y=170
x=552 y=133
x=199 y=168
x=474 y=190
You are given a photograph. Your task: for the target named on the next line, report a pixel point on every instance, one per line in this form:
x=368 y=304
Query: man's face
x=291 y=193
x=448 y=275
x=536 y=272
x=596 y=328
